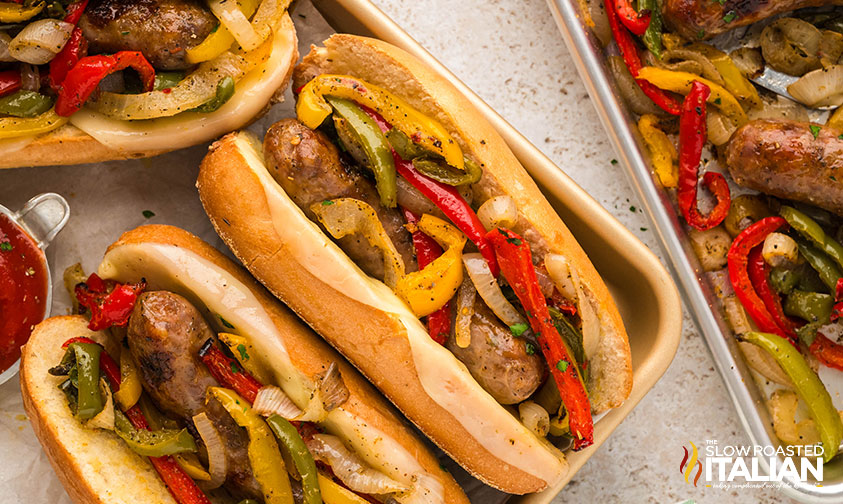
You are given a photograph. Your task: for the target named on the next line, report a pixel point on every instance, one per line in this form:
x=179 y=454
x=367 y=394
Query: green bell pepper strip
x=374 y=144
x=652 y=38
x=25 y=104
x=89 y=401
x=810 y=306
x=225 y=90
x=808 y=386
x=783 y=280
x=159 y=443
x=810 y=229
x=432 y=165
x=828 y=270
x=164 y=80
x=303 y=460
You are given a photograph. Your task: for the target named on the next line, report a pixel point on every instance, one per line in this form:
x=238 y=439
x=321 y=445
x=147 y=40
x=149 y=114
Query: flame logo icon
x=686 y=467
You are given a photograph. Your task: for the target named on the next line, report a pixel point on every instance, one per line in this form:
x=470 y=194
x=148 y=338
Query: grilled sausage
x=784 y=159
x=165 y=333
x=695 y=19
x=308 y=166
x=497 y=359
x=161 y=29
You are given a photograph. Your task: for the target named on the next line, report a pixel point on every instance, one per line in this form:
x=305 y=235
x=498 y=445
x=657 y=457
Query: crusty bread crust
x=308 y=353
x=68 y=145
x=374 y=341
x=95 y=466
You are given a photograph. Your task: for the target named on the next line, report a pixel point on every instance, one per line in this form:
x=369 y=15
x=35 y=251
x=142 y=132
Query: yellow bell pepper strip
x=17 y=13
x=430 y=288
x=312 y=109
x=189 y=462
x=662 y=151
x=220 y=40
x=808 y=386
x=735 y=81
x=130 y=384
x=333 y=493
x=264 y=456
x=244 y=352
x=13 y=127
x=836 y=119
x=344 y=216
x=680 y=82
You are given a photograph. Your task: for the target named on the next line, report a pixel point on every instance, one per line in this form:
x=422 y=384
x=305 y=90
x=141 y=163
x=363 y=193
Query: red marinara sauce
x=23 y=289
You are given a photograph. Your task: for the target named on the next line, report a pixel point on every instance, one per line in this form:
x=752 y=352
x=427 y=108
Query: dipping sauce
x=23 y=289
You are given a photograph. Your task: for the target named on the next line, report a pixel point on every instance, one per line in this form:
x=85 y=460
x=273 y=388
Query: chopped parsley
x=562 y=365
x=234 y=367
x=529 y=348
x=643 y=229
x=514 y=241
x=327 y=202
x=840 y=137
x=148 y=214
x=632 y=208
x=6 y=246
x=225 y=322
x=815 y=130
x=614 y=161
x=701 y=34
x=244 y=355
x=518 y=329
x=730 y=16
x=718 y=101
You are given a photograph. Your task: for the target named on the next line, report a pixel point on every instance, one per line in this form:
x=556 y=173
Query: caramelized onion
x=534 y=417
x=217 y=462
x=271 y=400
x=40 y=41
x=233 y=19
x=488 y=288
x=821 y=88
x=413 y=200
x=465 y=311
x=332 y=389
x=349 y=468
x=499 y=211
x=105 y=418
x=630 y=92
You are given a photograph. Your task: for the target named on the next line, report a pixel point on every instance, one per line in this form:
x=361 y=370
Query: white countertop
x=511 y=53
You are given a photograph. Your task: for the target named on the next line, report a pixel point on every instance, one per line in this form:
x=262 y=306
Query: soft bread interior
x=391 y=68
x=95 y=466
x=172 y=259
x=91 y=137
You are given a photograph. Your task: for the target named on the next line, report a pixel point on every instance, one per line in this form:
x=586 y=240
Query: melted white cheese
x=207 y=285
x=444 y=378
x=252 y=93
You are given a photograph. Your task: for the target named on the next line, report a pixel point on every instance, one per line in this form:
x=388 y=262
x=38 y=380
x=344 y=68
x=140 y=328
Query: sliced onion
x=499 y=211
x=40 y=41
x=673 y=57
x=332 y=389
x=630 y=92
x=413 y=200
x=105 y=418
x=565 y=276
x=534 y=417
x=749 y=61
x=819 y=88
x=488 y=288
x=560 y=272
x=545 y=282
x=30 y=77
x=720 y=127
x=271 y=400
x=197 y=88
x=349 y=468
x=781 y=108
x=5 y=55
x=465 y=311
x=426 y=490
x=217 y=462
x=233 y=19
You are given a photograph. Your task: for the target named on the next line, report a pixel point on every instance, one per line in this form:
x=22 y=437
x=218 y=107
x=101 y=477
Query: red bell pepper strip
x=629 y=53
x=446 y=197
x=738 y=259
x=827 y=352
x=110 y=303
x=180 y=485
x=75 y=11
x=692 y=138
x=427 y=250
x=837 y=309
x=228 y=371
x=517 y=267
x=75 y=49
x=10 y=82
x=759 y=271
x=82 y=80
x=636 y=22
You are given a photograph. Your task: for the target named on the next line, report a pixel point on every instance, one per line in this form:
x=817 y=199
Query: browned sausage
x=161 y=29
x=165 y=333
x=782 y=158
x=695 y=19
x=497 y=359
x=308 y=166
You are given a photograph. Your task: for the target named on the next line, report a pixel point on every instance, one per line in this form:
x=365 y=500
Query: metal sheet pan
x=590 y=60
x=102 y=208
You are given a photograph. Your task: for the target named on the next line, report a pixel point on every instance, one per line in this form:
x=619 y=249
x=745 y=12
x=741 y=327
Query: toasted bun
x=249 y=212
x=138 y=253
x=95 y=467
x=69 y=145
